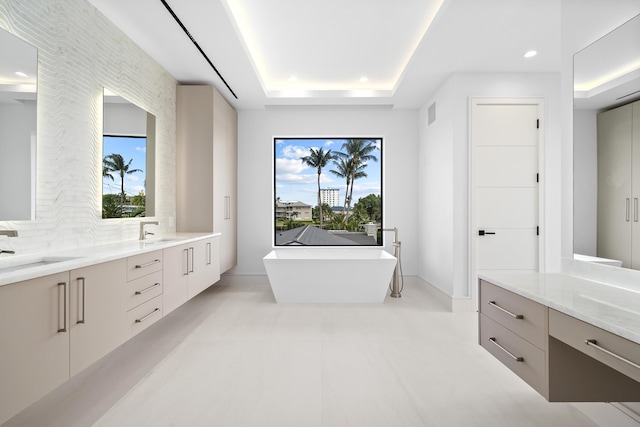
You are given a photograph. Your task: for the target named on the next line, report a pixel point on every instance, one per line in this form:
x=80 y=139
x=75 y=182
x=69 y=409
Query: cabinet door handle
x=185 y=262
x=627 y=208
x=64 y=309
x=227 y=207
x=82 y=279
x=513 y=356
x=515 y=316
x=190 y=259
x=594 y=344
x=208 y=253
x=143 y=318
x=147 y=289
x=147 y=264
x=635 y=209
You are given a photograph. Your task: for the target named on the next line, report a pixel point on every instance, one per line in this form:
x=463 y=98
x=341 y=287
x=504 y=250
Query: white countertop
x=85 y=256
x=612 y=308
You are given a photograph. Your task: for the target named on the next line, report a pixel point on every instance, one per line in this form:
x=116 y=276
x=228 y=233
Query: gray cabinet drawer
x=524 y=317
x=144 y=315
x=506 y=346
x=143 y=264
x=143 y=289
x=611 y=349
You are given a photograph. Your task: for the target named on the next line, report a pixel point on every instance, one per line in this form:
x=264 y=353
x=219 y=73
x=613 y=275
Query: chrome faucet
x=143 y=233
x=8 y=233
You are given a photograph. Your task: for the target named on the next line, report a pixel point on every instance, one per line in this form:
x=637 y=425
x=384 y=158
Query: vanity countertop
x=51 y=262
x=613 y=308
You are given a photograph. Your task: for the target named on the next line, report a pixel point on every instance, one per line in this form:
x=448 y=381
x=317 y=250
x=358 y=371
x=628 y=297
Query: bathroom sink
x=31 y=263
x=160 y=240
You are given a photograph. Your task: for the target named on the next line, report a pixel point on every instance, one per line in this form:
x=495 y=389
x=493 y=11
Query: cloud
x=295 y=151
x=142 y=149
x=286 y=166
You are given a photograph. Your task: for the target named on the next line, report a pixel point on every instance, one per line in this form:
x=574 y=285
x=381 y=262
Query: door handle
x=482 y=232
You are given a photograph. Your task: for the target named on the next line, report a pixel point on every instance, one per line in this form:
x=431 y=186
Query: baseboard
x=608 y=414
x=455 y=305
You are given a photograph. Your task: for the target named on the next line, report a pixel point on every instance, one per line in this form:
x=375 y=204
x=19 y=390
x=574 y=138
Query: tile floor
x=233 y=357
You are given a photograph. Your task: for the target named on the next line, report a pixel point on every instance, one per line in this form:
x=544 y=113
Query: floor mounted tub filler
x=329 y=275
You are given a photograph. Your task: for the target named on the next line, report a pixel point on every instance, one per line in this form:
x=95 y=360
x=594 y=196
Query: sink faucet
x=143 y=233
x=8 y=233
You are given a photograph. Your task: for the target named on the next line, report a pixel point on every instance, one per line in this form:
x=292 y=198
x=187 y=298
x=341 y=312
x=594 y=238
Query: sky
x=297 y=182
x=128 y=148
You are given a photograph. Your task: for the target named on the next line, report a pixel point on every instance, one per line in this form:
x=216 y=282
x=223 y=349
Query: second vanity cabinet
x=548 y=349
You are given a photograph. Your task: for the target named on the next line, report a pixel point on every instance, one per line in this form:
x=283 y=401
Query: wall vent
x=432 y=113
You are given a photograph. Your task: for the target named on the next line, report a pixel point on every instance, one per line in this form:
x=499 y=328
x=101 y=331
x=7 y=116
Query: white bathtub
x=329 y=275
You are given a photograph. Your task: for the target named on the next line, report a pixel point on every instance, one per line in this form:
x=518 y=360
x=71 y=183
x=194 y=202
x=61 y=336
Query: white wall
x=444 y=173
x=585 y=183
x=256 y=128
x=79 y=53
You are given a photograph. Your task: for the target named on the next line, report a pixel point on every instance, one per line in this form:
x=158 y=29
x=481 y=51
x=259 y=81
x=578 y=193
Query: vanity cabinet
x=619 y=185
x=548 y=350
x=98 y=306
x=206 y=155
x=189 y=269
x=34 y=340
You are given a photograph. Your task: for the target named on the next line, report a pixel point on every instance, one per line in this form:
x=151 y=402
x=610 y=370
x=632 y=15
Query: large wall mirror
x=18 y=113
x=606 y=138
x=128 y=162
x=327 y=191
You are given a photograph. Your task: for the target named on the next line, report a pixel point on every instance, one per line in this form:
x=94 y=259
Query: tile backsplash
x=80 y=52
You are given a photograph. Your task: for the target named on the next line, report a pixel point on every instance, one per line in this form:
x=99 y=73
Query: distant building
x=296 y=211
x=330 y=196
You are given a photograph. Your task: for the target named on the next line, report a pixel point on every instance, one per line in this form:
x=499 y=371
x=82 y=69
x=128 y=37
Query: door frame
x=474 y=102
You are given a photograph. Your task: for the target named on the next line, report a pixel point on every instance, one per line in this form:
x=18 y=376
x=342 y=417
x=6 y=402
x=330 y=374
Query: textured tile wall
x=79 y=53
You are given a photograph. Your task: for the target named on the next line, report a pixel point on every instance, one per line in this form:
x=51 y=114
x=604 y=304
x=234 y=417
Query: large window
x=327 y=191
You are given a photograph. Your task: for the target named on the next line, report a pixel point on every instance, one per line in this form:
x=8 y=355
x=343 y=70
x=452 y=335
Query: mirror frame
x=125 y=124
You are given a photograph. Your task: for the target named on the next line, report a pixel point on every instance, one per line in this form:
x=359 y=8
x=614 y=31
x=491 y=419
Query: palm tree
x=114 y=163
x=343 y=170
x=318 y=159
x=358 y=152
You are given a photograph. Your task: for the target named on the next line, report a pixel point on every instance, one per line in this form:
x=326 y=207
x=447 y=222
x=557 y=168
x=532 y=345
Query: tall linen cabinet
x=207 y=159
x=619 y=184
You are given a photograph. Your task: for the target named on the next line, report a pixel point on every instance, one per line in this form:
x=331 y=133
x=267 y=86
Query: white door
x=505 y=185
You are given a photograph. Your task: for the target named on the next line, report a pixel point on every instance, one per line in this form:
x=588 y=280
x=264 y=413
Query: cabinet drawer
x=524 y=317
x=499 y=341
x=575 y=333
x=143 y=264
x=143 y=289
x=144 y=315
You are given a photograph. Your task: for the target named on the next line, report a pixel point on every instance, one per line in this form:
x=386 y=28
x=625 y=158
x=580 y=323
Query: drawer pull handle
x=147 y=264
x=515 y=316
x=147 y=289
x=514 y=357
x=142 y=319
x=594 y=344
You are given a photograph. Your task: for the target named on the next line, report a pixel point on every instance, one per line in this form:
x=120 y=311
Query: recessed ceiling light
x=293 y=79
x=364 y=79
x=21 y=74
x=530 y=54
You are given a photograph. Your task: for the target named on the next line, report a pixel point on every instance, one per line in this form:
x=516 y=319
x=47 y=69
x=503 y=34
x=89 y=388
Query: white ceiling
x=405 y=48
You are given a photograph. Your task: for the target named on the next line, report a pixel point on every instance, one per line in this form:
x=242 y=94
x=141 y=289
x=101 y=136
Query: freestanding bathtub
x=321 y=275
